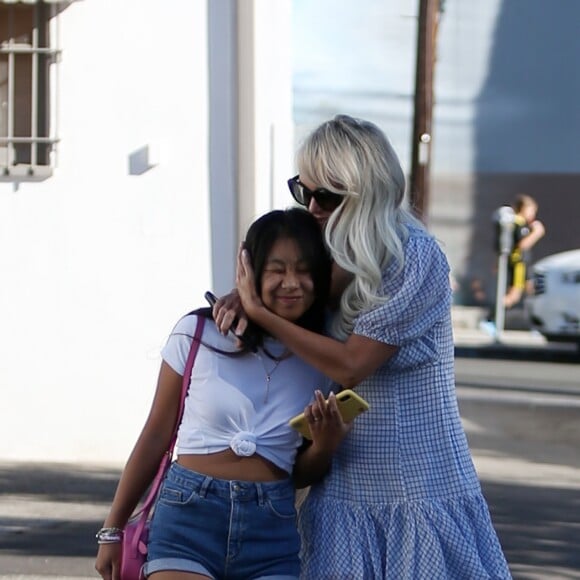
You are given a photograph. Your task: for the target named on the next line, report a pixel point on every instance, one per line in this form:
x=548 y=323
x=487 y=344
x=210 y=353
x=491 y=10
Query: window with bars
x=27 y=59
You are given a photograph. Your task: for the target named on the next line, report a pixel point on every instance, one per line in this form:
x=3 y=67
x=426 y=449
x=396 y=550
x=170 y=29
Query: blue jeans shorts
x=228 y=530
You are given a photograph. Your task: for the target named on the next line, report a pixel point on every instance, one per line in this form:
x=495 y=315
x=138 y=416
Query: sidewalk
x=49 y=513
x=474 y=338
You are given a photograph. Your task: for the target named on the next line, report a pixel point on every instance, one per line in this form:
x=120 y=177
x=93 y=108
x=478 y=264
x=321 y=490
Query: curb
x=509 y=352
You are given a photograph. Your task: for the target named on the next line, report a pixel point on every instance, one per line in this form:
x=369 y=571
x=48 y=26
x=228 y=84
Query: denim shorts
x=231 y=530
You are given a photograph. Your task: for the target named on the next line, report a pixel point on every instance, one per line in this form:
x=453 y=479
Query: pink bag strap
x=168 y=455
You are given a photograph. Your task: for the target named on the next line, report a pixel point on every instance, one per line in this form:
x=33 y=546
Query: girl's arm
x=142 y=464
x=328 y=430
x=152 y=443
x=347 y=363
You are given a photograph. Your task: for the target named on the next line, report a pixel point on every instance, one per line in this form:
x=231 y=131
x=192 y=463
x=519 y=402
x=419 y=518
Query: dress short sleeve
x=418 y=296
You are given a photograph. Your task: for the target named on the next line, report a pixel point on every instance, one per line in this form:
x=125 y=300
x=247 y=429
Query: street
x=523 y=424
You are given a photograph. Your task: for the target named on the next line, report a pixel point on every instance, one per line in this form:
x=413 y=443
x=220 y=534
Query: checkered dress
x=403 y=500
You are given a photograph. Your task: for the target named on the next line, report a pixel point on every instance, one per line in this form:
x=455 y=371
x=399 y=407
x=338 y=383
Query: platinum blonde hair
x=354 y=158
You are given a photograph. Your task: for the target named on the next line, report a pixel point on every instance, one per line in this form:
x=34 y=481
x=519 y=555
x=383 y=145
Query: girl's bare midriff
x=227 y=465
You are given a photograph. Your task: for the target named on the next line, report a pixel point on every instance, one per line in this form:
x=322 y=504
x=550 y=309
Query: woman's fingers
x=320 y=402
x=322 y=409
x=244 y=266
x=332 y=407
x=228 y=314
x=246 y=285
x=239 y=264
x=326 y=424
x=318 y=407
x=241 y=272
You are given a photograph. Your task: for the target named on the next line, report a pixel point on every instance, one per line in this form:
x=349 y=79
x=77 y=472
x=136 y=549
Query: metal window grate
x=26 y=61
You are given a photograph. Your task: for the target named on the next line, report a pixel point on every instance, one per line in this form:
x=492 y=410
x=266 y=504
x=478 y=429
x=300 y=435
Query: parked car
x=554 y=306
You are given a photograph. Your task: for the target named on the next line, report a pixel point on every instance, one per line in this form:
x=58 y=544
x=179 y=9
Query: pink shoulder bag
x=136 y=532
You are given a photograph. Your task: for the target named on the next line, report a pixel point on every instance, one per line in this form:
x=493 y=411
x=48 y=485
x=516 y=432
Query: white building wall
x=265 y=139
x=97 y=264
x=99 y=261
x=251 y=133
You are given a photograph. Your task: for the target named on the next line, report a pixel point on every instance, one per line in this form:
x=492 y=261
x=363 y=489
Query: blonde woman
x=402 y=499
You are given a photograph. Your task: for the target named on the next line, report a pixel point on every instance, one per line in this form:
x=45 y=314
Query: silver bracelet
x=109 y=536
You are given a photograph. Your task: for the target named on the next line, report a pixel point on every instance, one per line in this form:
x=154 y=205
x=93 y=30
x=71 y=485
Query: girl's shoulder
x=186 y=324
x=211 y=337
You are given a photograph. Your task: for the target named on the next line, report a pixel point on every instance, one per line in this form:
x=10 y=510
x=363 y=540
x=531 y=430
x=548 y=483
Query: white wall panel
x=97 y=264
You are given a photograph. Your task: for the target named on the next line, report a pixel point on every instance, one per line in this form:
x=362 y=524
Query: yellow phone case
x=350 y=406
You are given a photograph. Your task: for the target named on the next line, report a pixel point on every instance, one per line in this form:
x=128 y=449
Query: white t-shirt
x=230 y=403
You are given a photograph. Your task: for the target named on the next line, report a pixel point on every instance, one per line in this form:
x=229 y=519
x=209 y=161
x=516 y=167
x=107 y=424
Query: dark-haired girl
x=226 y=507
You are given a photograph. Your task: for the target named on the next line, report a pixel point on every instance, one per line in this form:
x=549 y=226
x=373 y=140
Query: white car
x=554 y=307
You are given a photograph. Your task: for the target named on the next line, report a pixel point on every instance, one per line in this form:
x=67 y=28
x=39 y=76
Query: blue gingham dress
x=402 y=500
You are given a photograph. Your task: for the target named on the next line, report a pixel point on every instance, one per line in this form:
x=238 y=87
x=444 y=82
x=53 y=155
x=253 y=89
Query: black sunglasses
x=326 y=200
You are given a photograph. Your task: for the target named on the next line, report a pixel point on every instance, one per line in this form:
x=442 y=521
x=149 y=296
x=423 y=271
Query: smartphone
x=212 y=299
x=350 y=406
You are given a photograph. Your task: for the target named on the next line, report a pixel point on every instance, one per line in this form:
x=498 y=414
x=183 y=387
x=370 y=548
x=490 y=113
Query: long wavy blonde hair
x=354 y=158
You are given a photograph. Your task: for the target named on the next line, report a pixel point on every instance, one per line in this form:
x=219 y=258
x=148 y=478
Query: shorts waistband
x=230 y=489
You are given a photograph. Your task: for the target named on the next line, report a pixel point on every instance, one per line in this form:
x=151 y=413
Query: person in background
x=527 y=232
x=226 y=508
x=402 y=498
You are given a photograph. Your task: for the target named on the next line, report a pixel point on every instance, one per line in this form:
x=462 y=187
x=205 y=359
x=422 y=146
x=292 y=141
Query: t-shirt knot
x=243 y=443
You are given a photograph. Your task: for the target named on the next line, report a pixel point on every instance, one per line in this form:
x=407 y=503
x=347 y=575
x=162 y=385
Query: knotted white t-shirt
x=230 y=403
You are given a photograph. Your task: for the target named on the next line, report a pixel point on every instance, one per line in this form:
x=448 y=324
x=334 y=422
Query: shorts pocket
x=173 y=494
x=282 y=508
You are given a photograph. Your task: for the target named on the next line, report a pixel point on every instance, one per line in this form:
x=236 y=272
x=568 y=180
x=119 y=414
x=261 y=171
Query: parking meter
x=504 y=218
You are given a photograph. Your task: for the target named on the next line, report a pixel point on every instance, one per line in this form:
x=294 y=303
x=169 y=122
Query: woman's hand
x=228 y=314
x=327 y=427
x=251 y=301
x=108 y=563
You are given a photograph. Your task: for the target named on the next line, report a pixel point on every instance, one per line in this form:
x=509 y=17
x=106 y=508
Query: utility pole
x=423 y=111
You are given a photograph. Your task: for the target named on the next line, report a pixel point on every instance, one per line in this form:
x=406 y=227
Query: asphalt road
x=523 y=424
